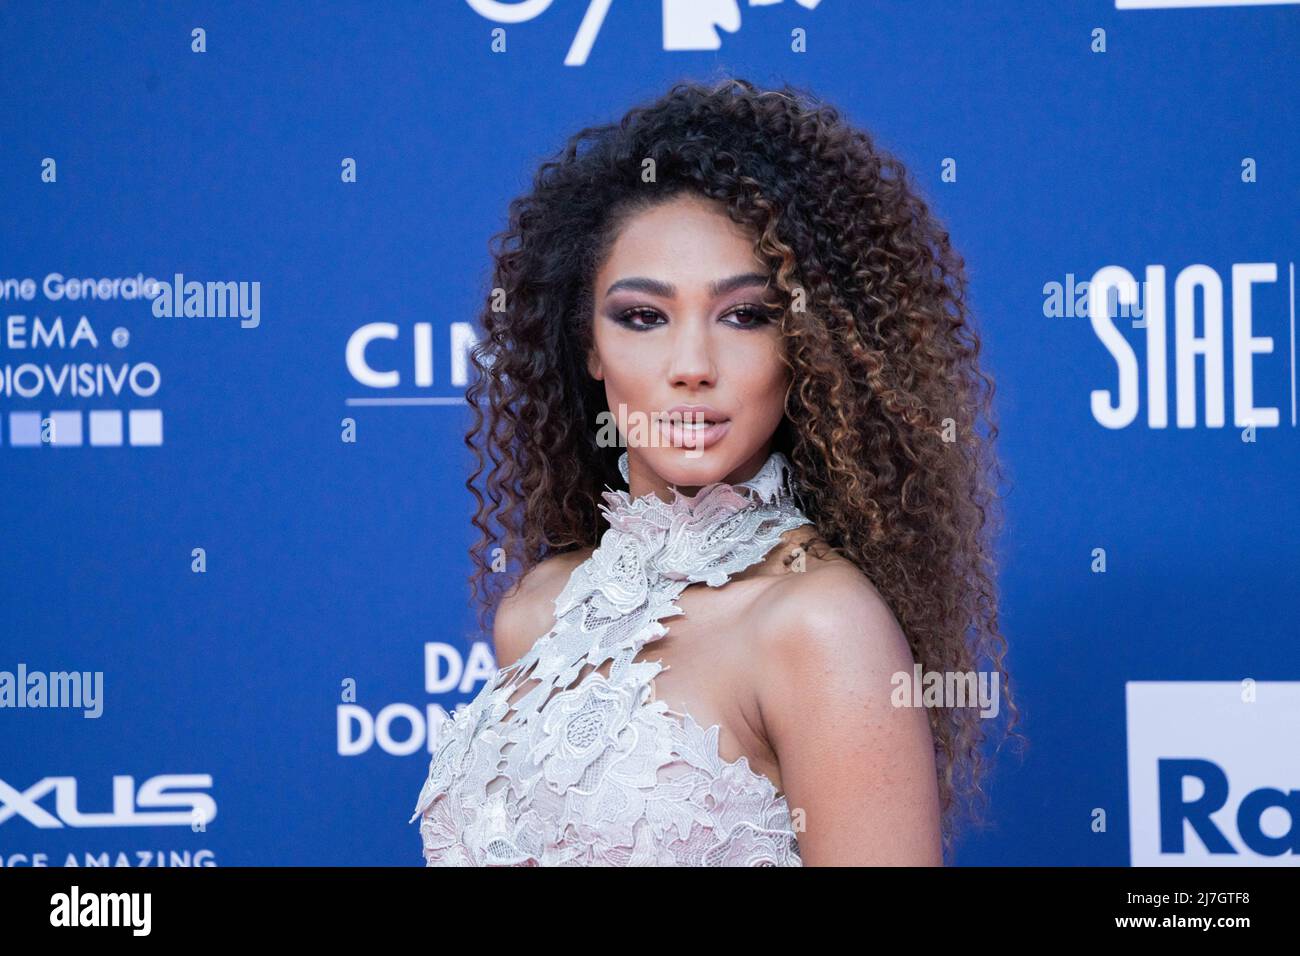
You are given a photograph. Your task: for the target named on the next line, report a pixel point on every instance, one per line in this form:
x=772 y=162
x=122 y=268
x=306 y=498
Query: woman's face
x=679 y=321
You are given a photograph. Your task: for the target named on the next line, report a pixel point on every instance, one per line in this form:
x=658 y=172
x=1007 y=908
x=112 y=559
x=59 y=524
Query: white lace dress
x=587 y=770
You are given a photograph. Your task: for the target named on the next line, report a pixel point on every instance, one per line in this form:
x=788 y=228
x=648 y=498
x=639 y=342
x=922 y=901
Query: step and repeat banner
x=242 y=250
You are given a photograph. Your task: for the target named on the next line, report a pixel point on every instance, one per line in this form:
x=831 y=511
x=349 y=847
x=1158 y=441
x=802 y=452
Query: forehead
x=689 y=237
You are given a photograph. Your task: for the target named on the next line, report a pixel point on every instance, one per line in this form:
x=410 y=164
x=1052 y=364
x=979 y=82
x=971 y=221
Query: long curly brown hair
x=884 y=414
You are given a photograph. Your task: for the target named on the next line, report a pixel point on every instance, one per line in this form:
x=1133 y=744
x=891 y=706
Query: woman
x=702 y=669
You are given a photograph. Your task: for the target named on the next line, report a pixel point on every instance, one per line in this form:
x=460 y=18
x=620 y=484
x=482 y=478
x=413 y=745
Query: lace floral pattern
x=585 y=769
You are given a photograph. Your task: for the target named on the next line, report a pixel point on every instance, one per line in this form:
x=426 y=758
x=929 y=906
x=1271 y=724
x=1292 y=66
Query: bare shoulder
x=527 y=610
x=861 y=769
x=828 y=615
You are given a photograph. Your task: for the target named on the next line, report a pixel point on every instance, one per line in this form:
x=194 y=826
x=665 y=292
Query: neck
x=644 y=481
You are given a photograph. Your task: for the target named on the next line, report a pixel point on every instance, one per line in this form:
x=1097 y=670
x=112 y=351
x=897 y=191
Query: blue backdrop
x=1081 y=136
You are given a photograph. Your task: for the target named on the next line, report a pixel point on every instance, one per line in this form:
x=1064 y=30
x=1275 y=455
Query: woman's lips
x=680 y=434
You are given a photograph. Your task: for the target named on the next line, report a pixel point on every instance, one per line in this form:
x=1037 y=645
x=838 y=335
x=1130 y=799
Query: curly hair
x=884 y=414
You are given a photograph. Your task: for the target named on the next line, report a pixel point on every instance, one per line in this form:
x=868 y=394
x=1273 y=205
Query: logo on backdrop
x=1229 y=310
x=48 y=359
x=401 y=729
x=1214 y=773
x=54 y=363
x=401 y=364
x=687 y=24
x=165 y=800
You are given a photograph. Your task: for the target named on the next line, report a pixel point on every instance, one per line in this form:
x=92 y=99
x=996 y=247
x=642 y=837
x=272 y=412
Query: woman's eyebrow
x=724 y=286
x=666 y=290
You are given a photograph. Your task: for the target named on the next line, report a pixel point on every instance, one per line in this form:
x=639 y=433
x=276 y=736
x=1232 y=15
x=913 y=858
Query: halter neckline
x=773 y=483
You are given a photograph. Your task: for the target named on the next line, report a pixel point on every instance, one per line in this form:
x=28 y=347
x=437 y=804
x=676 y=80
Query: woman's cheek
x=762 y=374
x=633 y=395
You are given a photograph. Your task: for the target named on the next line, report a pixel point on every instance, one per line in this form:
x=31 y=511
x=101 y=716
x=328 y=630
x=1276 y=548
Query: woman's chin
x=688 y=466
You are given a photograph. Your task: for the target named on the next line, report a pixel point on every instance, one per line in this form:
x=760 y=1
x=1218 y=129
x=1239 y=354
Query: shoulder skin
x=527 y=610
x=861 y=770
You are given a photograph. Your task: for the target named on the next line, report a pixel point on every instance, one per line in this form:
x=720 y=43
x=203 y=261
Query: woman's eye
x=750 y=315
x=630 y=317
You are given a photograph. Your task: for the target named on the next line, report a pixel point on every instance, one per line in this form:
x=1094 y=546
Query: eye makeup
x=641 y=318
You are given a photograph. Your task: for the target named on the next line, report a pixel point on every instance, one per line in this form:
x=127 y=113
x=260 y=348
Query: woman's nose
x=692 y=356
